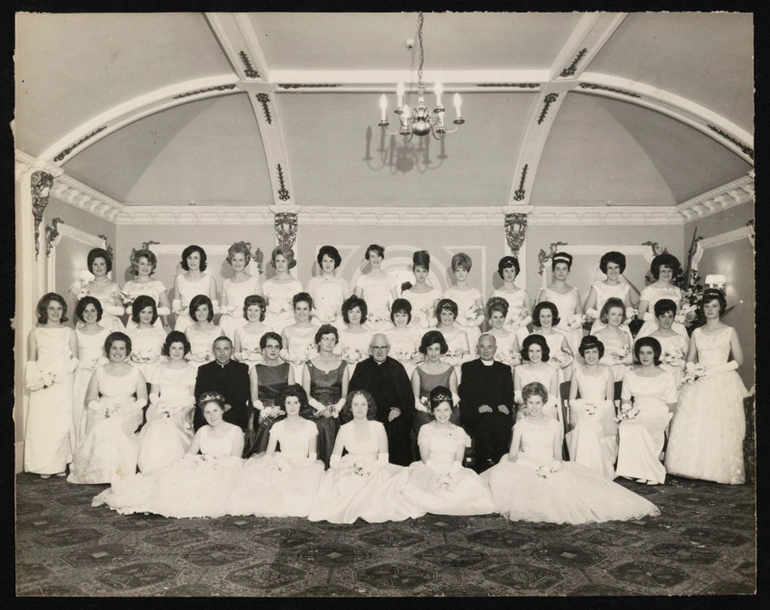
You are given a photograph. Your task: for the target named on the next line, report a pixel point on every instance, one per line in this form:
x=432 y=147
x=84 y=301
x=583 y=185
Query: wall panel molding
x=727 y=196
x=726 y=238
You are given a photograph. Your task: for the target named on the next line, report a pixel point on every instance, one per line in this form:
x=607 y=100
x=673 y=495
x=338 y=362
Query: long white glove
x=419 y=406
x=455 y=399
x=176 y=305
x=154 y=398
x=335 y=461
x=115 y=310
x=721 y=368
x=163 y=311
x=517 y=397
x=383 y=459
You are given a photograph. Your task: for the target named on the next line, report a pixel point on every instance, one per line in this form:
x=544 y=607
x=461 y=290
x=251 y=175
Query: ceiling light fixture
x=420 y=121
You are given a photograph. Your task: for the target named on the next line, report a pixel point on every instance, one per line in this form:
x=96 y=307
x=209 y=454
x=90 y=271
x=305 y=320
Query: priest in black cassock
x=486 y=403
x=229 y=378
x=386 y=380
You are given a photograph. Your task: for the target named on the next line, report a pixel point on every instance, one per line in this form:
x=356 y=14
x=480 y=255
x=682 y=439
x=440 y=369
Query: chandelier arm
x=394 y=133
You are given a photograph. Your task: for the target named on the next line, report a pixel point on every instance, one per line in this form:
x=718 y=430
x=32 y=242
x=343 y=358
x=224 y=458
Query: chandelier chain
x=422 y=53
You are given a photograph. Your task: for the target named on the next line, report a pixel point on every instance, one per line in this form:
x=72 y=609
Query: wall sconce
x=716 y=281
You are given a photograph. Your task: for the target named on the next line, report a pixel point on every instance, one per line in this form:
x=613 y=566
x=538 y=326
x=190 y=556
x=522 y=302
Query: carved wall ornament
x=515 y=231
x=206 y=90
x=107 y=247
x=41 y=184
x=656 y=249
x=549 y=99
x=52 y=236
x=307 y=85
x=543 y=258
x=519 y=85
x=264 y=99
x=69 y=149
x=257 y=256
x=572 y=68
x=248 y=69
x=747 y=150
x=520 y=192
x=144 y=246
x=283 y=192
x=286 y=228
x=610 y=89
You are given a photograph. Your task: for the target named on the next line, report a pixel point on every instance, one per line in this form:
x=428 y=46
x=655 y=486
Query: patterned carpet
x=703 y=543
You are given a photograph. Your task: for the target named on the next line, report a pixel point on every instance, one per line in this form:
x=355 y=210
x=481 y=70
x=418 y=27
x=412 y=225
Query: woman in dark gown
x=267 y=381
x=325 y=379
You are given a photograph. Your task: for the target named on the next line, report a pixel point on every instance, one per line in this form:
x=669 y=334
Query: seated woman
x=325 y=379
x=674 y=346
x=195 y=486
x=354 y=337
x=169 y=429
x=439 y=483
x=592 y=439
x=115 y=398
x=618 y=350
x=404 y=339
x=648 y=402
x=283 y=483
x=535 y=354
x=533 y=484
x=362 y=484
x=266 y=380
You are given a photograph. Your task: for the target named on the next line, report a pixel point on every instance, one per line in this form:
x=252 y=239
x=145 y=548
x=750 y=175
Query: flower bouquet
x=424 y=404
x=300 y=355
x=199 y=356
x=693 y=372
x=586 y=408
x=423 y=317
x=620 y=355
x=145 y=356
x=508 y=357
x=377 y=320
x=674 y=358
x=353 y=355
x=77 y=291
x=270 y=413
x=472 y=316
x=453 y=357
x=36 y=378
x=447 y=481
x=686 y=314
x=546 y=470
x=178 y=308
x=402 y=354
x=94 y=363
x=516 y=318
x=252 y=355
x=559 y=359
x=327 y=314
x=573 y=321
x=357 y=465
x=627 y=411
x=279 y=306
x=167 y=408
x=229 y=310
x=127 y=299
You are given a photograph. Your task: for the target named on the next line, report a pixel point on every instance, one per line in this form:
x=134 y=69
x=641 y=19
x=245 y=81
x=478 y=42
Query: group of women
x=89 y=385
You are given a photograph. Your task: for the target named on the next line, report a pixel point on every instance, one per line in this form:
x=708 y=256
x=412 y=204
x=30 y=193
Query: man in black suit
x=486 y=403
x=229 y=378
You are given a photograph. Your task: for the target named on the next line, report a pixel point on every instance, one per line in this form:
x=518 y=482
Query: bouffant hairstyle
x=591 y=342
x=42 y=307
x=176 y=336
x=448 y=305
x=439 y=395
x=140 y=303
x=255 y=299
x=561 y=257
x=714 y=294
x=508 y=261
x=331 y=252
x=421 y=258
x=117 y=336
x=401 y=306
x=664 y=306
x=81 y=305
x=664 y=260
x=270 y=335
x=431 y=337
x=535 y=340
x=549 y=306
x=239 y=247
x=188 y=251
x=534 y=388
x=143 y=253
x=461 y=259
x=497 y=304
x=295 y=390
x=99 y=253
x=287 y=253
x=613 y=256
x=197 y=301
x=346 y=413
x=301 y=297
x=609 y=304
x=651 y=342
x=327 y=329
x=375 y=248
x=351 y=302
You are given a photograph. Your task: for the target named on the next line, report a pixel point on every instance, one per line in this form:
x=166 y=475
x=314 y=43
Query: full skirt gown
x=571 y=494
x=90 y=358
x=193 y=486
x=707 y=431
x=283 y=484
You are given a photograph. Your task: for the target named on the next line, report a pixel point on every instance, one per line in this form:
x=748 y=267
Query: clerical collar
x=225 y=364
x=487 y=362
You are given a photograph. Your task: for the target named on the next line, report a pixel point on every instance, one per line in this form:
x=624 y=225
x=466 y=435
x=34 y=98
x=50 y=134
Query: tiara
x=439 y=398
x=562 y=256
x=209 y=396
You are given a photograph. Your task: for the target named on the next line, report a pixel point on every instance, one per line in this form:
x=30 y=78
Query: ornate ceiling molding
x=727 y=237
x=587 y=39
x=727 y=196
x=234 y=33
x=26 y=163
x=79 y=195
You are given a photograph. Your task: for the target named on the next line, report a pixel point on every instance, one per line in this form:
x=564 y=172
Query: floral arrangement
x=353 y=355
x=574 y=321
x=631 y=314
x=107 y=406
x=674 y=358
x=167 y=408
x=270 y=413
x=472 y=316
x=376 y=320
x=403 y=354
x=77 y=291
x=300 y=355
x=627 y=411
x=279 y=306
x=585 y=407
x=229 y=310
x=179 y=309
x=687 y=313
x=145 y=356
x=425 y=402
x=559 y=358
x=200 y=356
x=693 y=372
x=508 y=357
x=94 y=363
x=453 y=356
x=515 y=319
x=128 y=299
x=357 y=465
x=38 y=378
x=251 y=354
x=546 y=470
x=327 y=314
x=447 y=482
x=619 y=356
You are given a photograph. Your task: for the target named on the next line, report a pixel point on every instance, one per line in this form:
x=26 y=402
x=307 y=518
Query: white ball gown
x=146 y=348
x=187 y=290
x=90 y=357
x=232 y=317
x=603 y=294
x=443 y=486
x=404 y=344
x=109 y=449
x=169 y=429
x=566 y=303
x=107 y=293
x=673 y=355
x=517 y=319
x=201 y=344
x=328 y=296
x=285 y=483
x=641 y=438
x=468 y=316
x=570 y=494
x=353 y=347
x=47 y=436
x=153 y=288
x=423 y=313
x=707 y=431
x=593 y=440
x=194 y=486
x=280 y=310
x=652 y=295
x=377 y=292
x=363 y=486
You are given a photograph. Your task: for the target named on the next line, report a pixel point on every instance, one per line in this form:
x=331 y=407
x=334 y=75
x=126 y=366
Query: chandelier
x=420 y=121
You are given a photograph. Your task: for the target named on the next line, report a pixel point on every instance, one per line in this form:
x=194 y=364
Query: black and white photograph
x=384 y=304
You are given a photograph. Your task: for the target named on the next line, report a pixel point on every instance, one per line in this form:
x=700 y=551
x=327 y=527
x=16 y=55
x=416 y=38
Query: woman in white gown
x=531 y=483
x=664 y=268
x=202 y=332
x=438 y=483
x=404 y=338
x=283 y=481
x=48 y=376
x=545 y=319
x=674 y=346
x=103 y=288
x=519 y=304
x=362 y=484
x=508 y=351
x=618 y=344
x=378 y=289
x=354 y=338
x=327 y=289
x=194 y=486
x=612 y=265
x=469 y=302
x=236 y=288
x=299 y=343
x=458 y=349
x=90 y=339
x=143 y=264
x=535 y=355
x=248 y=338
x=566 y=298
x=168 y=432
x=191 y=282
x=280 y=289
x=116 y=395
x=593 y=436
x=146 y=338
x=707 y=432
x=648 y=400
x=422 y=296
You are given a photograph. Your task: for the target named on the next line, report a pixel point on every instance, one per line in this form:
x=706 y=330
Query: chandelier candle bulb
x=457 y=103
x=400 y=93
x=383 y=107
x=438 y=90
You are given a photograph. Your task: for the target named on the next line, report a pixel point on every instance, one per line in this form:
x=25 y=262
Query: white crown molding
x=722 y=198
x=79 y=195
x=25 y=163
x=726 y=238
x=605 y=215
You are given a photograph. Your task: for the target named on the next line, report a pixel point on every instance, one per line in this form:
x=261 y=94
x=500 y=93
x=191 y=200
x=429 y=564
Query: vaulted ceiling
x=561 y=109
